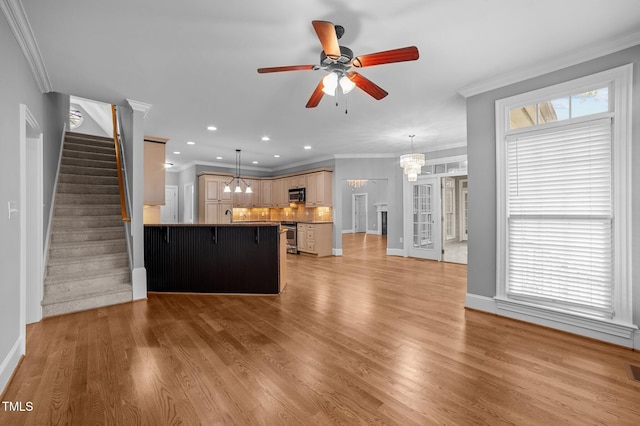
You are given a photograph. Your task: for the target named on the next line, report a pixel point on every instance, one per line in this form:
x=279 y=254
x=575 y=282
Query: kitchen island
x=247 y=258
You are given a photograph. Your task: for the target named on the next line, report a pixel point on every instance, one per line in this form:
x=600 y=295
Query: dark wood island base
x=236 y=258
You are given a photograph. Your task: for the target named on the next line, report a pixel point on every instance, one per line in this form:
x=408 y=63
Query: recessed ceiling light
x=218 y=158
x=212 y=128
x=254 y=162
x=176 y=152
x=307 y=147
x=276 y=155
x=191 y=143
x=266 y=138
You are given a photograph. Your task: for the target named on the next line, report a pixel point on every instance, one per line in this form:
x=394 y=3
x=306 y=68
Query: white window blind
x=559 y=208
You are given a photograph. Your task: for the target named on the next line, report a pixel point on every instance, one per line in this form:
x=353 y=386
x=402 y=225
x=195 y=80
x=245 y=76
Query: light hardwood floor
x=358 y=339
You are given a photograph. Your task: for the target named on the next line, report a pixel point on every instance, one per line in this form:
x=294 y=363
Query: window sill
x=600 y=329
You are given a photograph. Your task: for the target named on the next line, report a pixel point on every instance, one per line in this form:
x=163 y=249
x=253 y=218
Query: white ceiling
x=195 y=62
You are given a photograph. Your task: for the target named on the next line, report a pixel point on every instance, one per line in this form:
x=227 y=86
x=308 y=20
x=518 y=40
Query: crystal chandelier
x=412 y=163
x=356 y=183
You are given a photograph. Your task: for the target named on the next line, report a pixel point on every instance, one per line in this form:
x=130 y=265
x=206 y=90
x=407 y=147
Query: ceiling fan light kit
x=338 y=61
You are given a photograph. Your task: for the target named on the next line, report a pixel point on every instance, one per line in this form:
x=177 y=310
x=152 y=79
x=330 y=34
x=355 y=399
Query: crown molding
x=139 y=106
x=595 y=51
x=304 y=162
x=19 y=24
x=385 y=155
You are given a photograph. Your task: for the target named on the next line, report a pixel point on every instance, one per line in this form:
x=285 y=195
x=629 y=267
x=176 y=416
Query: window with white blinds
x=559 y=217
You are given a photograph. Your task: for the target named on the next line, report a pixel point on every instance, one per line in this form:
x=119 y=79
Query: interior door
x=423 y=232
x=169 y=212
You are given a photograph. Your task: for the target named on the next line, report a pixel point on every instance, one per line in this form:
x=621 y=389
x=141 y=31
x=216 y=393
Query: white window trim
x=620 y=82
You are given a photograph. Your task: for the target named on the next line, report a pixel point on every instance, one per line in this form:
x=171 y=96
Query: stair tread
x=90 y=243
x=88 y=292
x=89 y=230
x=87 y=258
x=70 y=277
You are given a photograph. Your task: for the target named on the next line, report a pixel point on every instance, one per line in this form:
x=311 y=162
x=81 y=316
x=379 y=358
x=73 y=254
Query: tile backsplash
x=294 y=214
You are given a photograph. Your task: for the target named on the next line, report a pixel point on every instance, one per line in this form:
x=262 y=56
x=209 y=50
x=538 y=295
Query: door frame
x=31 y=258
x=353 y=211
x=464 y=219
x=407 y=195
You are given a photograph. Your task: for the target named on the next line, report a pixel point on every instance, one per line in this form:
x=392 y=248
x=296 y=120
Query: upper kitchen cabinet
x=244 y=199
x=211 y=188
x=279 y=192
x=154 y=170
x=295 y=182
x=319 y=192
x=266 y=198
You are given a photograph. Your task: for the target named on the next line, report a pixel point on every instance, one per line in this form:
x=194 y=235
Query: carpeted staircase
x=88 y=263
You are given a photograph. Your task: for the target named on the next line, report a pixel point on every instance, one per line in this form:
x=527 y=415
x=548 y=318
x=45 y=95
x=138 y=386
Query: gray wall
x=56 y=115
x=17 y=86
x=376 y=191
x=370 y=168
x=185 y=177
x=482 y=169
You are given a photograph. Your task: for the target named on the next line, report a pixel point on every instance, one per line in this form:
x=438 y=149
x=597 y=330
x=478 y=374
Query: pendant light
x=238 y=179
x=412 y=163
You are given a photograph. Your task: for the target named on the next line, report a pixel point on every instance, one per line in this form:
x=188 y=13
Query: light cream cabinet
x=216 y=213
x=242 y=199
x=319 y=192
x=315 y=238
x=279 y=193
x=295 y=182
x=214 y=205
x=266 y=199
x=154 y=171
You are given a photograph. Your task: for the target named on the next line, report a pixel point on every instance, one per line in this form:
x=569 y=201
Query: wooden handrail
x=123 y=205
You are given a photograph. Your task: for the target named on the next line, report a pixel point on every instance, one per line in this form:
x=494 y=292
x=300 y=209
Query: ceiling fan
x=338 y=61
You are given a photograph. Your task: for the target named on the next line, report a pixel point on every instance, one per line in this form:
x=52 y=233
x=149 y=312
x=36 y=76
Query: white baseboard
x=337 y=252
x=373 y=232
x=10 y=362
x=618 y=334
x=139 y=282
x=347 y=231
x=481 y=303
x=395 y=252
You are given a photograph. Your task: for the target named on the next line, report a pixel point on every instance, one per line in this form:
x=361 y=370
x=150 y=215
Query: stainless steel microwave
x=296 y=195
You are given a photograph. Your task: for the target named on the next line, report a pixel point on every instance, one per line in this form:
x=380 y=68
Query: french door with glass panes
x=422 y=233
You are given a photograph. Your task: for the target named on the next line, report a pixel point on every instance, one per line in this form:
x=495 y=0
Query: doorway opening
x=364 y=208
x=455 y=219
x=31 y=218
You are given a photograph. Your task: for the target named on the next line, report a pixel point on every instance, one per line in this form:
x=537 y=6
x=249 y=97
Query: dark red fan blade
x=316 y=96
x=367 y=85
x=287 y=68
x=387 y=57
x=328 y=38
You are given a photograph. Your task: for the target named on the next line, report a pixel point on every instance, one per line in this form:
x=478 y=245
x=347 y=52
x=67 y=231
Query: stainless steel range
x=292 y=236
